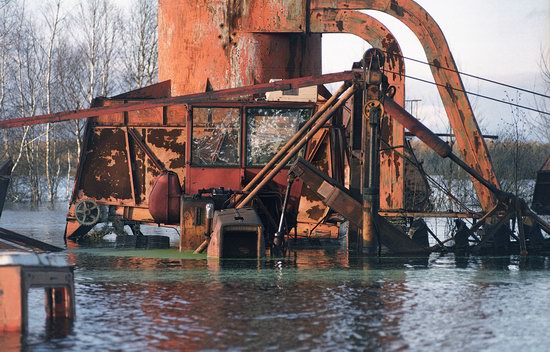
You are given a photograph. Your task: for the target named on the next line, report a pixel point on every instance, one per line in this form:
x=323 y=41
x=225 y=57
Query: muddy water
x=316 y=299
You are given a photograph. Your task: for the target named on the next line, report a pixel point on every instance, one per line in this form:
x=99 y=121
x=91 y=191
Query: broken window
x=216 y=136
x=268 y=130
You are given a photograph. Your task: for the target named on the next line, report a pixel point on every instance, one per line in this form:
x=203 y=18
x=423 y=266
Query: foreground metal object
x=451 y=89
x=21 y=271
x=237 y=233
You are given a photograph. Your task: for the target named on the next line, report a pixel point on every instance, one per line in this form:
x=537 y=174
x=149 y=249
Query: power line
x=477 y=77
x=469 y=75
x=475 y=94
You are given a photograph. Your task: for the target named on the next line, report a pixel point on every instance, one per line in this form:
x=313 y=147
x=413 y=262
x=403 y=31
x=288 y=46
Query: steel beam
x=392 y=165
x=229 y=93
x=461 y=116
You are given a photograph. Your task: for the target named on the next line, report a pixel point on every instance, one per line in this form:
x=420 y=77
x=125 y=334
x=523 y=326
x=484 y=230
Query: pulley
x=87 y=212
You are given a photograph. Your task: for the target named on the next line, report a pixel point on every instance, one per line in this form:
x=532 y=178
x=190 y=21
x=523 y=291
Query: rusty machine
x=241 y=143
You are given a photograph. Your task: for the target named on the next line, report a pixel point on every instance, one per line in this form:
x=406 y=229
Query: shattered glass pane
x=216 y=136
x=268 y=130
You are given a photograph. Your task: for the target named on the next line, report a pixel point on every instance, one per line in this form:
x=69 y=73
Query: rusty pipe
x=437 y=144
x=296 y=148
x=229 y=93
x=296 y=136
x=417 y=128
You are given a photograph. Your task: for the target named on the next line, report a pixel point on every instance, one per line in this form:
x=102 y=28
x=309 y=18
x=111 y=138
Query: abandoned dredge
x=242 y=161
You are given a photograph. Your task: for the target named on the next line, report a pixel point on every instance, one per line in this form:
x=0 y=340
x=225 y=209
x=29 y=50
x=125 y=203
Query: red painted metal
x=224 y=43
x=164 y=199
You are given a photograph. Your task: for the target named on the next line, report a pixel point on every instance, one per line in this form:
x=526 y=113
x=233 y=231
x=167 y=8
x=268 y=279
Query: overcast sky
x=497 y=39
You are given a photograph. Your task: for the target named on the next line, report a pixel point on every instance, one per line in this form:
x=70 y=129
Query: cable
x=470 y=75
x=431 y=179
x=475 y=94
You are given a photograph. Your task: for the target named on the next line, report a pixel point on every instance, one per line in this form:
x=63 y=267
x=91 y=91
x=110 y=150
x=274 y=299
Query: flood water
x=318 y=299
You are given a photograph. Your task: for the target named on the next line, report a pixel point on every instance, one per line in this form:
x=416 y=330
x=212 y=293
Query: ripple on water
x=316 y=300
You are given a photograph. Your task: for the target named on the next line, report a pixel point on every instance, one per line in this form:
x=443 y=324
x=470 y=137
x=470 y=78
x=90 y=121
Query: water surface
x=319 y=299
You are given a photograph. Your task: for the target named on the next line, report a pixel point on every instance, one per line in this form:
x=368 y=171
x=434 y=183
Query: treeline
x=58 y=55
x=516 y=164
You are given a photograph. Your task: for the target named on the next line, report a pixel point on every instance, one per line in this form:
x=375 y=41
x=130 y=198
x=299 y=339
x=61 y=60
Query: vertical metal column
x=373 y=60
x=354 y=233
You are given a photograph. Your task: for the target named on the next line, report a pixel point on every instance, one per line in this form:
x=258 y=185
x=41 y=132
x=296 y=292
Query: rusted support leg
x=371 y=193
x=373 y=62
x=12 y=300
x=59 y=303
x=521 y=230
x=355 y=241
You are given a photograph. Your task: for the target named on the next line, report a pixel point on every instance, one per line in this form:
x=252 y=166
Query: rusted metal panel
x=392 y=165
x=168 y=145
x=193 y=222
x=109 y=119
x=237 y=233
x=105 y=170
x=176 y=115
x=468 y=135
x=202 y=43
x=158 y=90
x=146 y=117
x=202 y=178
x=312 y=209
x=271 y=16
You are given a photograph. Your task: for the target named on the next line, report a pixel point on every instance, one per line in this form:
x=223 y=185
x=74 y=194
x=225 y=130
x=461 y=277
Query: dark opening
x=240 y=244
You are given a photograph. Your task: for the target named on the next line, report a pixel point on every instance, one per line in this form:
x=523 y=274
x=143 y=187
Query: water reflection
x=311 y=299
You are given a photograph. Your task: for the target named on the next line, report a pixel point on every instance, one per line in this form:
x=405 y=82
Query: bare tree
x=141 y=44
x=541 y=123
x=28 y=72
x=53 y=19
x=52 y=59
x=98 y=24
x=7 y=19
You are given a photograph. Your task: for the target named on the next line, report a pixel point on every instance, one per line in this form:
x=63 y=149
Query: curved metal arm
x=392 y=165
x=469 y=138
